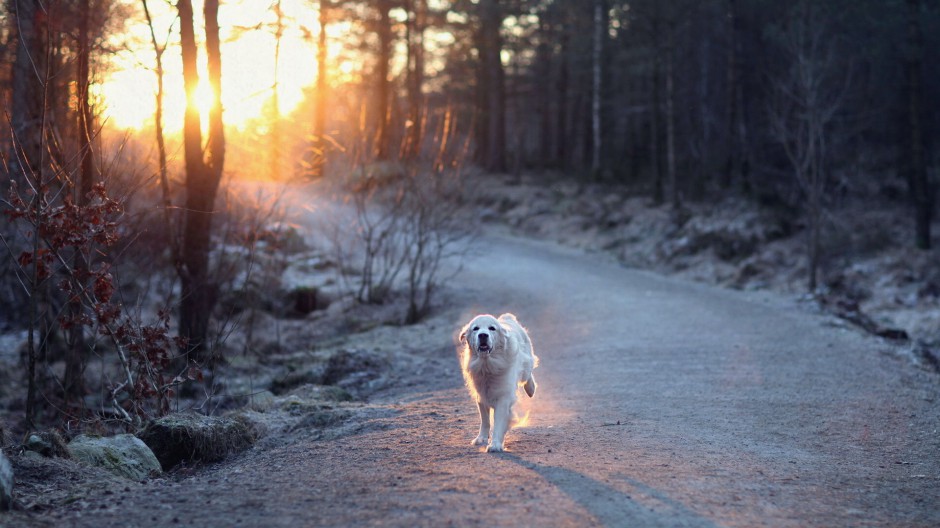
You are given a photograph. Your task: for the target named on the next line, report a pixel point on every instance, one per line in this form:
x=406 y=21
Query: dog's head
x=484 y=334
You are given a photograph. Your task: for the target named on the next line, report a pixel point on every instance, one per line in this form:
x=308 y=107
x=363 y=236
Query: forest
x=144 y=143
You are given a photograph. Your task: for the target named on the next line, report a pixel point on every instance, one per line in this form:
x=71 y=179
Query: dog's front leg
x=502 y=413
x=484 y=425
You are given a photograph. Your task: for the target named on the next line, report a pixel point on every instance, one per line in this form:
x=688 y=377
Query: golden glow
x=248 y=65
x=204 y=98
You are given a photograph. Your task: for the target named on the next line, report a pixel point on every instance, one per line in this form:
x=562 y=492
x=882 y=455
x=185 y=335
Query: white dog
x=497 y=357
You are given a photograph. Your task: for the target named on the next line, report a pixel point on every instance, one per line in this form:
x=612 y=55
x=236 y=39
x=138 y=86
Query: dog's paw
x=478 y=441
x=494 y=449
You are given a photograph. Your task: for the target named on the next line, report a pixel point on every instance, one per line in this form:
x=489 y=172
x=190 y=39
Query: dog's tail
x=530 y=385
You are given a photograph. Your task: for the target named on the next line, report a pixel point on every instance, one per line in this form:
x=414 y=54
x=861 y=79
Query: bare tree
x=736 y=131
x=806 y=101
x=491 y=96
x=170 y=226
x=670 y=52
x=596 y=76
x=403 y=231
x=276 y=151
x=415 y=39
x=383 y=85
x=203 y=175
x=73 y=379
x=917 y=163
x=29 y=121
x=28 y=87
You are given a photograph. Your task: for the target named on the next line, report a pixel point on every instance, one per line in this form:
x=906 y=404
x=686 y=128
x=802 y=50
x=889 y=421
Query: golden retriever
x=497 y=357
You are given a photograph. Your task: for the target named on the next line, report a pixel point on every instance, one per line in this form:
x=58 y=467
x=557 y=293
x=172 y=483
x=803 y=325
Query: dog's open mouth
x=485 y=348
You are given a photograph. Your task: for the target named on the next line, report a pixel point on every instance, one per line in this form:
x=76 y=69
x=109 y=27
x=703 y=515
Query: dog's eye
x=475 y=328
x=492 y=329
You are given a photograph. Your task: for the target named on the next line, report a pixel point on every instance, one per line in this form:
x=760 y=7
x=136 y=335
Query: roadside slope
x=661 y=403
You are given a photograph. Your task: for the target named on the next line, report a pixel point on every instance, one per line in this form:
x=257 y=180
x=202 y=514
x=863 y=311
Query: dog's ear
x=506 y=329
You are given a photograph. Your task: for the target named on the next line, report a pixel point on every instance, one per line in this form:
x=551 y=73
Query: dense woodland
x=792 y=104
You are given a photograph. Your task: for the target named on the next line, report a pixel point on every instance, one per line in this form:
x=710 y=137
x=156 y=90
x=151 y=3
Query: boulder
x=6 y=483
x=195 y=437
x=261 y=401
x=124 y=455
x=48 y=444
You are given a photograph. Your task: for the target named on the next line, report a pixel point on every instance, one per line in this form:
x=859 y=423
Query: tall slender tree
x=73 y=378
x=597 y=55
x=562 y=90
x=276 y=151
x=28 y=86
x=169 y=224
x=203 y=175
x=807 y=99
x=491 y=90
x=383 y=84
x=417 y=22
x=734 y=122
x=319 y=144
x=918 y=181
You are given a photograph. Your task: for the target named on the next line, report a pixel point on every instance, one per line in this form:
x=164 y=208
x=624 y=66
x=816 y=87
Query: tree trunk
x=597 y=55
x=917 y=167
x=275 y=153
x=671 y=117
x=319 y=110
x=199 y=292
x=416 y=79
x=632 y=133
x=492 y=154
x=814 y=244
x=543 y=92
x=26 y=104
x=732 y=165
x=28 y=119
x=702 y=166
x=656 y=161
x=171 y=231
x=382 y=83
x=74 y=376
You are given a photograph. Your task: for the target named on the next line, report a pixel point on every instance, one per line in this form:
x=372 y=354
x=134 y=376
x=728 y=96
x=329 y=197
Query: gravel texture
x=661 y=402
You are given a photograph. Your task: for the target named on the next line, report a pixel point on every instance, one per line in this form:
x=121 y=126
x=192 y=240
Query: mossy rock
x=124 y=455
x=49 y=444
x=261 y=401
x=6 y=483
x=195 y=437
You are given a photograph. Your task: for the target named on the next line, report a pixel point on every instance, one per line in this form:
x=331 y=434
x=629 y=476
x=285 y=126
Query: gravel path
x=660 y=403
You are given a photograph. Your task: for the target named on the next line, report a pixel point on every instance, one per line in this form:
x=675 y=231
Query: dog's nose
x=484 y=338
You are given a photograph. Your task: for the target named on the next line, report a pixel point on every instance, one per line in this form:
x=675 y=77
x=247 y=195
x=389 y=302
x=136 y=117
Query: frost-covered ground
x=871 y=275
x=306 y=364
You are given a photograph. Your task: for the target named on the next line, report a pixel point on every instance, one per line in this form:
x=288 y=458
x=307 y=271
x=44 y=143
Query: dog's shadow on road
x=611 y=506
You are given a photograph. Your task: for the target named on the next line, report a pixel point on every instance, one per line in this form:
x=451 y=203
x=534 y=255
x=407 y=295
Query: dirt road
x=660 y=403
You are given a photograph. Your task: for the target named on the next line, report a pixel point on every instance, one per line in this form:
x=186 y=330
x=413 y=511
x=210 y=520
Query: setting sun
x=204 y=98
x=248 y=67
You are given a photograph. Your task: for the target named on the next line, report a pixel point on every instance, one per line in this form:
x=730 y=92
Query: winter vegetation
x=202 y=201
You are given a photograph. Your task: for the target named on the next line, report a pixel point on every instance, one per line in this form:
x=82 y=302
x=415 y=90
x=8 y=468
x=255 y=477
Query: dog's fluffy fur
x=497 y=357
